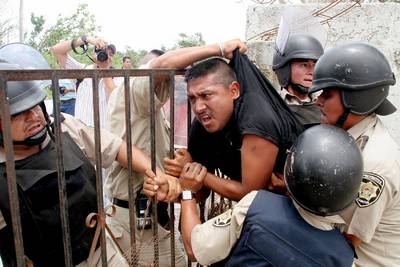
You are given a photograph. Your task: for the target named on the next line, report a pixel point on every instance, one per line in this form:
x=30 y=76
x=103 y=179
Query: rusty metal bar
x=11 y=179
x=62 y=190
x=25 y=75
x=131 y=181
x=171 y=155
x=99 y=177
x=153 y=166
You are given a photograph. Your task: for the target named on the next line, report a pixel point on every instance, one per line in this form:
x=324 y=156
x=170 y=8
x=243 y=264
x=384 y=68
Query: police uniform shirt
x=292 y=99
x=118 y=177
x=375 y=216
x=213 y=240
x=83 y=136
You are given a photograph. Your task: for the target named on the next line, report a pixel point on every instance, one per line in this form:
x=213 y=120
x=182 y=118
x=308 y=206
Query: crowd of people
x=314 y=172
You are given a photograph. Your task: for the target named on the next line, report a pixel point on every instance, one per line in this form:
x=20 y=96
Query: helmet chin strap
x=340 y=122
x=39 y=137
x=299 y=88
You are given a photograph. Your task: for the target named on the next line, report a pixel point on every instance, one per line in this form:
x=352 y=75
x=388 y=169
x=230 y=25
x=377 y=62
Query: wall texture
x=375 y=23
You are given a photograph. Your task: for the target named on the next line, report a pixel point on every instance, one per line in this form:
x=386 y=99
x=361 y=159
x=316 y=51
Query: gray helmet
x=22 y=95
x=363 y=75
x=323 y=170
x=298 y=46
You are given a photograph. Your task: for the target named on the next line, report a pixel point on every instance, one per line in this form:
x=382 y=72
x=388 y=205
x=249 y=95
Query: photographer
x=102 y=58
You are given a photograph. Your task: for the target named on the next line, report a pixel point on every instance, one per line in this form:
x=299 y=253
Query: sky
x=149 y=24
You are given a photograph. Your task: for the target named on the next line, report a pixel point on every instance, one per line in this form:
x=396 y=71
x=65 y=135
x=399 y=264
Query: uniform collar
x=325 y=223
x=293 y=99
x=363 y=126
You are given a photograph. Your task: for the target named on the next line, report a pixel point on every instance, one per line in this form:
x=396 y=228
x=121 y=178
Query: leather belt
x=121 y=203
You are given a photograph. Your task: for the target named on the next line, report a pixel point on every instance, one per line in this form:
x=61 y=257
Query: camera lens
x=102 y=56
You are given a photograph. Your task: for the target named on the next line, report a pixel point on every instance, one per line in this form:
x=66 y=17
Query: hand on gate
x=174 y=166
x=192 y=176
x=167 y=188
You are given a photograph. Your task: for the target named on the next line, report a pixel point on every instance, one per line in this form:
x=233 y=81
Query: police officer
x=294 y=68
x=36 y=173
x=355 y=80
x=266 y=229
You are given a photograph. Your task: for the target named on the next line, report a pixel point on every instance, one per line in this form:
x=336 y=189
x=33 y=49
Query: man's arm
x=60 y=50
x=189 y=219
x=258 y=157
x=184 y=57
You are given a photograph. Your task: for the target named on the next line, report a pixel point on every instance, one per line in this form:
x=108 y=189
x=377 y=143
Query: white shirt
x=84 y=96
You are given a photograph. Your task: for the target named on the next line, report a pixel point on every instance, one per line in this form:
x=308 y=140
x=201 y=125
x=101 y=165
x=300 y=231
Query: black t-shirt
x=258 y=111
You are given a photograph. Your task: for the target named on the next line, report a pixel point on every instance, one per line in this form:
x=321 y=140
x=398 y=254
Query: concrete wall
x=375 y=23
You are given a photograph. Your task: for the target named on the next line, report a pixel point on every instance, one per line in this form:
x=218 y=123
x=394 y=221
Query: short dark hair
x=224 y=73
x=125 y=58
x=156 y=52
x=112 y=48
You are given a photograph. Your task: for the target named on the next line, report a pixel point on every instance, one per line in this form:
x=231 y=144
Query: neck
x=352 y=120
x=297 y=94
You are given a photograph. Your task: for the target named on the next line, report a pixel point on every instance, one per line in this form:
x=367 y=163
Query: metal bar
x=153 y=166
x=171 y=155
x=61 y=175
x=131 y=181
x=25 y=75
x=11 y=179
x=189 y=124
x=99 y=181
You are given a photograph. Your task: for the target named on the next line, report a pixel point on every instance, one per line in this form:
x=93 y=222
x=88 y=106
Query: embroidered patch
x=370 y=190
x=224 y=219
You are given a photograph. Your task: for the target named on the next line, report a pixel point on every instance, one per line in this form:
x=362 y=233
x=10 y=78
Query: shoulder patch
x=370 y=189
x=224 y=219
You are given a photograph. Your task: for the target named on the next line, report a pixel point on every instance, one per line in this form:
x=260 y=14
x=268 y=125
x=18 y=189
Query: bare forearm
x=181 y=58
x=190 y=219
x=109 y=85
x=140 y=161
x=227 y=188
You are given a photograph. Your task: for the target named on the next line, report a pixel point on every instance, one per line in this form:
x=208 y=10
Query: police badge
x=370 y=189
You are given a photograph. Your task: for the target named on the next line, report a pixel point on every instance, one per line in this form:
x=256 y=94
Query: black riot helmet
x=298 y=46
x=323 y=170
x=362 y=74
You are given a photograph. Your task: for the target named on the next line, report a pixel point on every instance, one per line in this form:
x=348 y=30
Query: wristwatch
x=187 y=195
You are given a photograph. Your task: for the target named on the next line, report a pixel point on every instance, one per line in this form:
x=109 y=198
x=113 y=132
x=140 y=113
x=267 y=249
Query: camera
x=62 y=90
x=143 y=220
x=102 y=55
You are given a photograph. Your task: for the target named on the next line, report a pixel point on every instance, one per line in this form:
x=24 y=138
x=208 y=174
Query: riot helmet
x=361 y=73
x=24 y=95
x=298 y=46
x=323 y=170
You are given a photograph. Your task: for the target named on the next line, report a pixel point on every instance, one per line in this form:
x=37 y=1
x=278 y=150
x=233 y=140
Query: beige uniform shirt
x=117 y=181
x=83 y=136
x=291 y=99
x=375 y=216
x=213 y=240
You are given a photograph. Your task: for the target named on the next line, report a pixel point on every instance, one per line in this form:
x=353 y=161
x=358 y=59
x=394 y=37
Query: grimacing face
x=27 y=123
x=302 y=72
x=212 y=102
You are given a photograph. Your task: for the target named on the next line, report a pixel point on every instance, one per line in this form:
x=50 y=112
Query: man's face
x=212 y=102
x=127 y=64
x=331 y=106
x=302 y=72
x=27 y=123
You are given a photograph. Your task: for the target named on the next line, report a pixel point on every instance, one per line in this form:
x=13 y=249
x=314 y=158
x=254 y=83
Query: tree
x=69 y=27
x=190 y=40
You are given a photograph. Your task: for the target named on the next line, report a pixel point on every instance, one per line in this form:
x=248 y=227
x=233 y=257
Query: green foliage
x=135 y=56
x=66 y=28
x=190 y=40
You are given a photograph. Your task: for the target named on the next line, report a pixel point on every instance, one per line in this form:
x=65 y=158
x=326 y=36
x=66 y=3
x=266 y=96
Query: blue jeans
x=68 y=106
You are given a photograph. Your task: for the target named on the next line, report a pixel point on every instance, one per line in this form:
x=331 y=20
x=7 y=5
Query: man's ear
x=235 y=89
